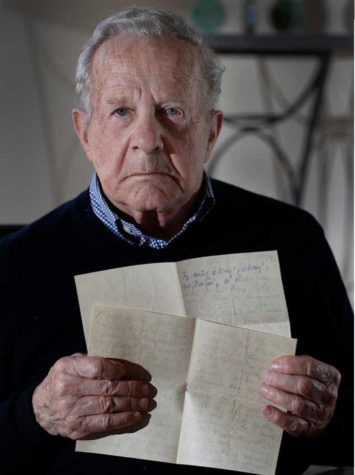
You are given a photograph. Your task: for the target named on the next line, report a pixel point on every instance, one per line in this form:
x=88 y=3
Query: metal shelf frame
x=321 y=47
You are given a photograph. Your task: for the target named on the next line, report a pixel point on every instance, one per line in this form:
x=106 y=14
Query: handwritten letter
x=207 y=369
x=243 y=290
x=222 y=400
x=207 y=374
x=162 y=346
x=237 y=289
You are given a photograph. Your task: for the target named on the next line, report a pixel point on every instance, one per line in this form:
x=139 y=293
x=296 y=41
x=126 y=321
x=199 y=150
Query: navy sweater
x=40 y=318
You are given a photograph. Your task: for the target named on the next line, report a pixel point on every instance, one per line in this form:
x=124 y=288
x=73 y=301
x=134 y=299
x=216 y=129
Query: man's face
x=149 y=135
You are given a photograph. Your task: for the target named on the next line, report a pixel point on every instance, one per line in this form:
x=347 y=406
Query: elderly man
x=147 y=121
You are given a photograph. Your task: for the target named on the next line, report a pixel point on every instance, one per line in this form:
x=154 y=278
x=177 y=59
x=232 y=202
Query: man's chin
x=153 y=196
x=152 y=205
x=148 y=203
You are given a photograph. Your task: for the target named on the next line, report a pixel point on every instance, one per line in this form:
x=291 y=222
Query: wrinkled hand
x=307 y=388
x=89 y=397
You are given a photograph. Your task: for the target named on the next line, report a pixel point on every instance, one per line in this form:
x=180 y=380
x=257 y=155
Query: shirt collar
x=131 y=233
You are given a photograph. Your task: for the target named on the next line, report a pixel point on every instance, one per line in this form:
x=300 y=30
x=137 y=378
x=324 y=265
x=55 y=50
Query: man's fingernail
x=143 y=403
x=276 y=365
x=268 y=376
x=146 y=389
x=137 y=415
x=267 y=411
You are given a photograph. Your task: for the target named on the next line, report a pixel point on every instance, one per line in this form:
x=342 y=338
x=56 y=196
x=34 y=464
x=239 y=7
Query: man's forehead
x=127 y=58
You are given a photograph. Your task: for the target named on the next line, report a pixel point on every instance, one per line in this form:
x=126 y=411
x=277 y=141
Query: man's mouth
x=138 y=174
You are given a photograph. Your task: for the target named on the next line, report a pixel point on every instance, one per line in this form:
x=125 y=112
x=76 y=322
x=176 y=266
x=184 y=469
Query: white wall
x=24 y=178
x=42 y=165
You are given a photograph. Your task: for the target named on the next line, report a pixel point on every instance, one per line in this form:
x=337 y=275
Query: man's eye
x=121 y=111
x=171 y=111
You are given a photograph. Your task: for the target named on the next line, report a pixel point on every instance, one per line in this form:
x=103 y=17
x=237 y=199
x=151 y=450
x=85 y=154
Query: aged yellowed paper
x=162 y=346
x=243 y=290
x=152 y=287
x=207 y=375
x=223 y=425
x=237 y=289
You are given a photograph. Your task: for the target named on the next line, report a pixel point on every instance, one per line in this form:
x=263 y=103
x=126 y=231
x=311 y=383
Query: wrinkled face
x=149 y=135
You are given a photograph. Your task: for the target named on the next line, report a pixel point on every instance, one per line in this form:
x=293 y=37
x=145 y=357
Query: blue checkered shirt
x=128 y=231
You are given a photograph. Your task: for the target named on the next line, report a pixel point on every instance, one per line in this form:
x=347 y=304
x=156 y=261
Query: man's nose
x=147 y=135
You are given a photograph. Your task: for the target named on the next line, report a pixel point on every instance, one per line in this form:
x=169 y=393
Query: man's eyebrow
x=125 y=99
x=115 y=100
x=177 y=100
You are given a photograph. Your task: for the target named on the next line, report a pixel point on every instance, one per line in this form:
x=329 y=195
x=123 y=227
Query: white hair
x=149 y=22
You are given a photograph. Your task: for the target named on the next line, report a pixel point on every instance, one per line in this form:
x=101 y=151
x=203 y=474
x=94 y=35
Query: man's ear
x=215 y=128
x=79 y=118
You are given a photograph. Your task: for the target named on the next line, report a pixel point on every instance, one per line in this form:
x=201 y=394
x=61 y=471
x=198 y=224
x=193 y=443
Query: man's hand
x=89 y=396
x=304 y=386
